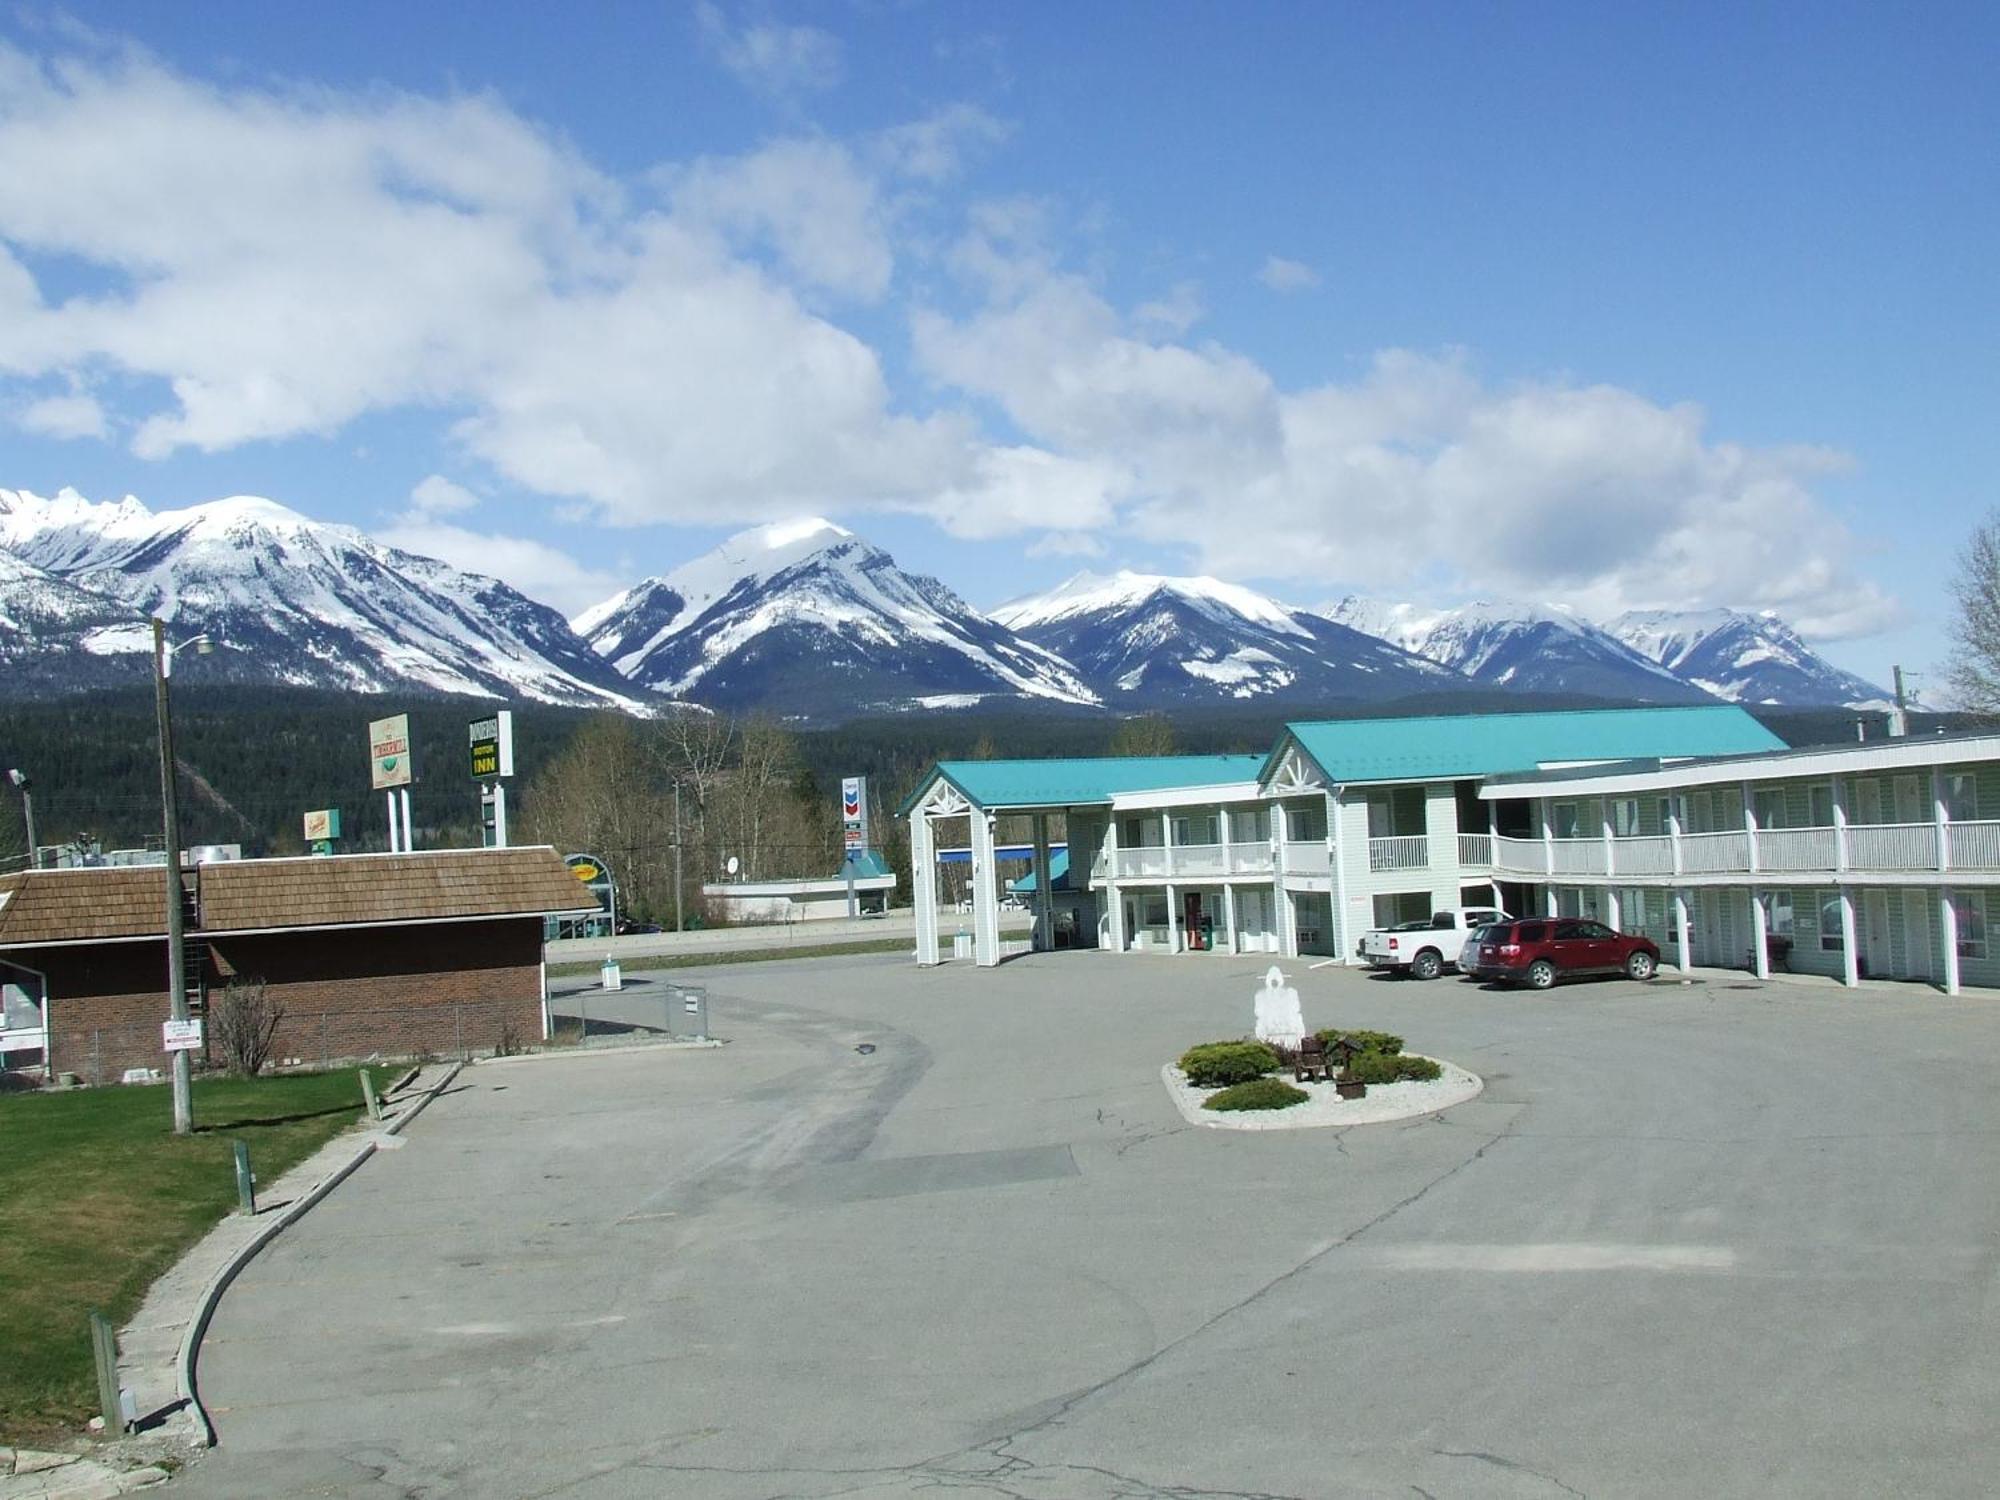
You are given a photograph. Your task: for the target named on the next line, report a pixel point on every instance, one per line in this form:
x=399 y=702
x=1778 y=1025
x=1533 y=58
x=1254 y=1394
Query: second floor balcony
x=1807 y=853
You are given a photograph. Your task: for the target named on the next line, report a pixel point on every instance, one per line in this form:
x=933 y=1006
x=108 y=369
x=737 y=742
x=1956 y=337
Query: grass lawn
x=737 y=956
x=98 y=1197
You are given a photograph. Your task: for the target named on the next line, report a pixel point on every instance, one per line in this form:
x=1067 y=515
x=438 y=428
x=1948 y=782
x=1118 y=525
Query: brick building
x=392 y=954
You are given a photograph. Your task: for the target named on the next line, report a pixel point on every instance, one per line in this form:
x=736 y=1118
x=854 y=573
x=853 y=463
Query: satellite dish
x=732 y=865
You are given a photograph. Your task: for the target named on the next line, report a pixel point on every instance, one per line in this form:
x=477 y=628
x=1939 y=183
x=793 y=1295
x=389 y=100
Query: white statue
x=1279 y=1019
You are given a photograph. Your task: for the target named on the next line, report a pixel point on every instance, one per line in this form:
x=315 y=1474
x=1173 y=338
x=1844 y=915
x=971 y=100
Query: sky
x=1609 y=306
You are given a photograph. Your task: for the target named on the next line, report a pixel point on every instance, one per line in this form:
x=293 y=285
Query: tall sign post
x=493 y=757
x=854 y=832
x=392 y=766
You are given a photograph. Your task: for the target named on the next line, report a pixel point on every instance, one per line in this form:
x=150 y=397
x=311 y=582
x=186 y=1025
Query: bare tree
x=1145 y=734
x=246 y=1021
x=1975 y=629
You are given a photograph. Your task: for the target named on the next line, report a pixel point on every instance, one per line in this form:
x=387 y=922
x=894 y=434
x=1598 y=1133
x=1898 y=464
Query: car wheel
x=1427 y=964
x=1541 y=974
x=1640 y=966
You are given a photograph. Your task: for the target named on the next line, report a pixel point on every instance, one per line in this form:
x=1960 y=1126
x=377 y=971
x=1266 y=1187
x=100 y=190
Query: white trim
x=229 y=932
x=1181 y=796
x=1765 y=765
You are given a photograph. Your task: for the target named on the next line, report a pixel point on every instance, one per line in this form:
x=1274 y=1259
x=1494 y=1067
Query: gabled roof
x=1079 y=781
x=1447 y=746
x=129 y=901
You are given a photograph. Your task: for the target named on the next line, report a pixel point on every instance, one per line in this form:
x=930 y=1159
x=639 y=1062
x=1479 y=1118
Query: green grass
x=738 y=956
x=98 y=1197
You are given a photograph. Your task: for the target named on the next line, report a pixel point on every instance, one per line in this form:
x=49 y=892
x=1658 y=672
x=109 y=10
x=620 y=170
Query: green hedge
x=1382 y=1067
x=1258 y=1093
x=1216 y=1065
x=1367 y=1041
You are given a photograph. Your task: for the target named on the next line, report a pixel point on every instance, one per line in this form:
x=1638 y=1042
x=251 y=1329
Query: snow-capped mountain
x=54 y=634
x=807 y=618
x=1529 y=647
x=1142 y=639
x=1744 y=658
x=292 y=600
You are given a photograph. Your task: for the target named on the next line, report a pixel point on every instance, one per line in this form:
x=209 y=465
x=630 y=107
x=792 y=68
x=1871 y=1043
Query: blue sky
x=1613 y=306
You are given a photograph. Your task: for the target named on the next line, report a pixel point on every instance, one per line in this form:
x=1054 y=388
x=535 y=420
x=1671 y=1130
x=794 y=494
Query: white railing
x=1475 y=848
x=1250 y=859
x=1138 y=863
x=1892 y=846
x=1796 y=849
x=1200 y=859
x=1647 y=854
x=1405 y=853
x=1577 y=856
x=1715 y=853
x=1525 y=856
x=1307 y=859
x=1974 y=846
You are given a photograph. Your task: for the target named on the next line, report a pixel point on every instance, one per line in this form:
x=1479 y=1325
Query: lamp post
x=177 y=1005
x=20 y=779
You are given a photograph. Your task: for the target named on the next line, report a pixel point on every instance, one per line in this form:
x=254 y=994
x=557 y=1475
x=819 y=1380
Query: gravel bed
x=1384 y=1101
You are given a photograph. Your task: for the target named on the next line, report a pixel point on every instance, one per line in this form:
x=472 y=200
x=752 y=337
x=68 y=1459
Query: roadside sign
x=181 y=1036
x=322 y=825
x=854 y=839
x=391 y=760
x=493 y=745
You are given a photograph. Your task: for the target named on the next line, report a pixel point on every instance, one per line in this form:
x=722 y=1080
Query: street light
x=20 y=779
x=177 y=1004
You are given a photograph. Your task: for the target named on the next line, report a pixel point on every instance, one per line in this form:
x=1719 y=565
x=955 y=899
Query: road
x=917 y=1231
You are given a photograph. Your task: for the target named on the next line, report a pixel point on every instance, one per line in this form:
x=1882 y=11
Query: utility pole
x=680 y=925
x=177 y=1005
x=20 y=779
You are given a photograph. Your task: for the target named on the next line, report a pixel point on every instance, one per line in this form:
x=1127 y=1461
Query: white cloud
x=1282 y=275
x=73 y=416
x=807 y=200
x=545 y=574
x=1173 y=314
x=1066 y=544
x=932 y=149
x=779 y=62
x=434 y=495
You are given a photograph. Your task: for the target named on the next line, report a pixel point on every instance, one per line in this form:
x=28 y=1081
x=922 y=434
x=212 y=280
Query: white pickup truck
x=1426 y=948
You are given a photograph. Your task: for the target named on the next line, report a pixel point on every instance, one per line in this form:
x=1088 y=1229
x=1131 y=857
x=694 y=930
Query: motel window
x=1249 y=825
x=1829 y=922
x=1778 y=912
x=1820 y=801
x=1670 y=811
x=1563 y=820
x=1971 y=909
x=1154 y=911
x=1961 y=797
x=1624 y=816
x=1194 y=828
x=1306 y=823
x=1769 y=802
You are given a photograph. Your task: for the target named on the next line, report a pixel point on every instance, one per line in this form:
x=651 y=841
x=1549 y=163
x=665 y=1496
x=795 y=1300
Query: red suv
x=1539 y=951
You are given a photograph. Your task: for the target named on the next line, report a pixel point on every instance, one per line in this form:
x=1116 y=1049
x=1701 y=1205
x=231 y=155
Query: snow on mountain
x=1744 y=658
x=292 y=600
x=806 y=617
x=1529 y=647
x=1142 y=639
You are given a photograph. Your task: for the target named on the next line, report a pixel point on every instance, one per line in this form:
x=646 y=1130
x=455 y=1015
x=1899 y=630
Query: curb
x=184 y=1361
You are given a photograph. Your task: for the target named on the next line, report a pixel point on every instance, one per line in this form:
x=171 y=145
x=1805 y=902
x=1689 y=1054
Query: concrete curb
x=1380 y=1107
x=621 y=1049
x=184 y=1361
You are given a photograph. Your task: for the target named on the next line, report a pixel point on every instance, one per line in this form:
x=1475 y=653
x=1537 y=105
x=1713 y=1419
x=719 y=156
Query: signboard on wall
x=391 y=759
x=493 y=746
x=323 y=826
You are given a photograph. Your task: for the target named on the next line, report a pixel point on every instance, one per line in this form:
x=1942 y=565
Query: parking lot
x=943 y=1230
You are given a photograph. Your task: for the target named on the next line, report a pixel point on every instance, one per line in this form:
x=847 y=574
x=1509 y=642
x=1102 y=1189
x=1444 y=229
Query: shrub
x=1417 y=1069
x=1367 y=1041
x=1258 y=1093
x=1215 y=1065
x=244 y=1024
x=1374 y=1067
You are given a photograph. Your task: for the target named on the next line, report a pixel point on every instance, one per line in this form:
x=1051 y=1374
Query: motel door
x=1875 y=950
x=1191 y=921
x=1917 y=940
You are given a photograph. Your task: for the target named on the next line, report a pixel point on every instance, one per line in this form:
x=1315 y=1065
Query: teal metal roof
x=1079 y=782
x=1058 y=874
x=867 y=863
x=1454 y=745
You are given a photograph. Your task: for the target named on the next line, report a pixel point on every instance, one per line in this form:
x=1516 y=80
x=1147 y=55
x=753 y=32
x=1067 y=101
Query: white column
x=1167 y=840
x=1173 y=920
x=1113 y=891
x=1288 y=924
x=1681 y=928
x=1750 y=826
x=1045 y=929
x=395 y=823
x=1337 y=862
x=923 y=886
x=1850 y=960
x=1551 y=907
x=409 y=833
x=1610 y=847
x=1611 y=909
x=1229 y=915
x=1840 y=825
x=1222 y=826
x=500 y=815
x=1760 y=940
x=1548 y=839
x=1948 y=925
x=1674 y=829
x=1940 y=818
x=985 y=892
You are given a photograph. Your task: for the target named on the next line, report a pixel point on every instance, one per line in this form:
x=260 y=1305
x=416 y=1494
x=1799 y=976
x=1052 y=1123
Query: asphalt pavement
x=934 y=1230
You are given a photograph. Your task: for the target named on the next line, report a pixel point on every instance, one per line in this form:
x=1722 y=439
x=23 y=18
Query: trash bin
x=610 y=975
x=961 y=945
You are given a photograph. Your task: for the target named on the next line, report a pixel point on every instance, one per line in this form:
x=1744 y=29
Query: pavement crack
x=1510 y=1464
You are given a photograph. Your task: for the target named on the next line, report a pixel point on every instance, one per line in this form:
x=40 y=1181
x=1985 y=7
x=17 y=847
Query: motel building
x=1694 y=825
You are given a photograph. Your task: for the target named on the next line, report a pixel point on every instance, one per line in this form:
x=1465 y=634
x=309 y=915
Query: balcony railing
x=1200 y=859
x=1307 y=859
x=1138 y=863
x=1401 y=853
x=1780 y=851
x=1642 y=854
x=1250 y=859
x=1892 y=846
x=1796 y=849
x=1577 y=856
x=1973 y=846
x=1475 y=849
x=1525 y=855
x=1714 y=853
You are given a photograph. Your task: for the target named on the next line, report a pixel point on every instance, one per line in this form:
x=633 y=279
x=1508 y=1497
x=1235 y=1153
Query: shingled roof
x=107 y=904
